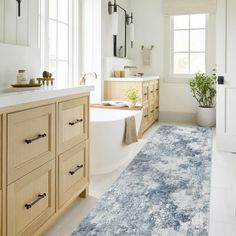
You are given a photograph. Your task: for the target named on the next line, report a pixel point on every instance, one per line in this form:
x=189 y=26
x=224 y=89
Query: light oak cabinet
x=44 y=160
x=148 y=92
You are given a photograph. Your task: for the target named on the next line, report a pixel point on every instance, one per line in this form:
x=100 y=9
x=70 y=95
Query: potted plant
x=203 y=88
x=132 y=97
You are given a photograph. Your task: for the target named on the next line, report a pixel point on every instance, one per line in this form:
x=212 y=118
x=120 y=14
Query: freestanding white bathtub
x=107 y=151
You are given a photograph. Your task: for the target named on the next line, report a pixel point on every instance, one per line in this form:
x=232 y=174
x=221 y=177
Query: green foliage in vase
x=132 y=95
x=203 y=88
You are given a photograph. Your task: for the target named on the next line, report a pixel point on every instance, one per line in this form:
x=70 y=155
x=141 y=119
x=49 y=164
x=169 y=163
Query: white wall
x=150 y=30
x=18 y=40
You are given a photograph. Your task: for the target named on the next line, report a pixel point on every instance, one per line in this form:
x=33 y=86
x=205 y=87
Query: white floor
x=223 y=195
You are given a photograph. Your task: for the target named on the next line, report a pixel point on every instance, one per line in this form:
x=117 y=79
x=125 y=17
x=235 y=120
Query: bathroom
x=117 y=117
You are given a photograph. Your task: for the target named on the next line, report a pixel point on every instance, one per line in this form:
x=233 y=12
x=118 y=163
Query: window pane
x=197 y=40
x=62 y=41
x=181 y=22
x=181 y=64
x=198 y=21
x=53 y=9
x=63 y=10
x=53 y=68
x=181 y=41
x=197 y=63
x=52 y=39
x=62 y=74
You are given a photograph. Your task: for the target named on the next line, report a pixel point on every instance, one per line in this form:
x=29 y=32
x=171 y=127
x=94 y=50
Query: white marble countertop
x=134 y=79
x=12 y=97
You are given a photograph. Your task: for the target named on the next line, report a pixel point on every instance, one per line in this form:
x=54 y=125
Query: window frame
x=169 y=56
x=74 y=43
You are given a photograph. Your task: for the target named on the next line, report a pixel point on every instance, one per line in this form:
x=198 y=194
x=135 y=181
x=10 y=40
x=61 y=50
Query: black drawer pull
x=152 y=92
x=145 y=94
x=152 y=111
x=145 y=116
x=29 y=141
x=77 y=169
x=157 y=108
x=40 y=197
x=76 y=122
x=157 y=89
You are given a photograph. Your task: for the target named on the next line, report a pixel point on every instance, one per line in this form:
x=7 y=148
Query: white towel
x=147 y=56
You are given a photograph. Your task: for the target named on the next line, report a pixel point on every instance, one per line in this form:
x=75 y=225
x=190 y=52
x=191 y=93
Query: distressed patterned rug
x=165 y=191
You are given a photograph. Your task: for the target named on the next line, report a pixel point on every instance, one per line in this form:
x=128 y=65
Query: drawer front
x=73 y=172
x=156 y=88
x=151 y=90
x=31 y=201
x=31 y=140
x=151 y=112
x=145 y=92
x=145 y=116
x=73 y=123
x=156 y=113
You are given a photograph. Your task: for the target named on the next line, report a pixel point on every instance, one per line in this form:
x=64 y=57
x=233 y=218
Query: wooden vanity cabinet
x=44 y=160
x=148 y=92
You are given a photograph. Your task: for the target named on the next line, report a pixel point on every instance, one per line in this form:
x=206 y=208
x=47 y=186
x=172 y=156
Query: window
x=188 y=45
x=59 y=39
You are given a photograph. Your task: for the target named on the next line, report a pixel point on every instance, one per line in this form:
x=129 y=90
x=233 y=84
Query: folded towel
x=147 y=56
x=130 y=131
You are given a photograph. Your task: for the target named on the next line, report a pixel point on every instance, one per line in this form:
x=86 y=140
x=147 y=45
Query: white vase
x=132 y=103
x=206 y=117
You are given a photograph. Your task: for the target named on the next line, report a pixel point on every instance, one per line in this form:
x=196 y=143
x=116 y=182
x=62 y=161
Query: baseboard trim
x=178 y=117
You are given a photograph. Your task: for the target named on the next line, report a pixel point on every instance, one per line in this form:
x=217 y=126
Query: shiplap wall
x=19 y=48
x=21 y=30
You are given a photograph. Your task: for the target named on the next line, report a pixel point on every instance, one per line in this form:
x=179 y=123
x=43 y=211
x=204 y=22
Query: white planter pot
x=206 y=117
x=132 y=103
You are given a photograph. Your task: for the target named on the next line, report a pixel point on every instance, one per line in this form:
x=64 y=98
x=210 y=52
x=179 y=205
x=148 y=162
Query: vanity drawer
x=151 y=112
x=73 y=123
x=156 y=88
x=145 y=116
x=73 y=172
x=151 y=90
x=30 y=140
x=31 y=201
x=145 y=92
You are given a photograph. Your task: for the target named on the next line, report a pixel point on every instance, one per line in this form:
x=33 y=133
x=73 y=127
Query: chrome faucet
x=83 y=78
x=130 y=67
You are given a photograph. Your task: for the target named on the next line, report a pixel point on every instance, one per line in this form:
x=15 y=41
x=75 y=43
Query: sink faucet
x=130 y=67
x=83 y=78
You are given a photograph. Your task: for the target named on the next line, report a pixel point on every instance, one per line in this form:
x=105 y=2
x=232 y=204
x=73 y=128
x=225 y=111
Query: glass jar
x=21 y=77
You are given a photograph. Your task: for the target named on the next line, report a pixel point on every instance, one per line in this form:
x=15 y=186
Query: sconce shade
x=115 y=23
x=132 y=36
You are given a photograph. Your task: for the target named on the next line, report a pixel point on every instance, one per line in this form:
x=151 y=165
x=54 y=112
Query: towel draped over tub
x=130 y=135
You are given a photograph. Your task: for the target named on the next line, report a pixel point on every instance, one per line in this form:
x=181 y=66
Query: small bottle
x=21 y=77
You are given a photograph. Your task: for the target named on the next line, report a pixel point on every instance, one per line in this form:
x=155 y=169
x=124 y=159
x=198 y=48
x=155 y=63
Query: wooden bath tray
x=26 y=85
x=115 y=107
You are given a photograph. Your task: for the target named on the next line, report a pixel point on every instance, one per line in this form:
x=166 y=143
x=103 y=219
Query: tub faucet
x=83 y=78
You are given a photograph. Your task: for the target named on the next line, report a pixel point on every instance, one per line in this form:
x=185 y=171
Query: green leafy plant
x=203 y=88
x=132 y=95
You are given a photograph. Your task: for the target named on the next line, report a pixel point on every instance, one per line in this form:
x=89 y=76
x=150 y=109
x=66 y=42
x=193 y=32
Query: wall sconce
x=19 y=2
x=130 y=22
x=112 y=10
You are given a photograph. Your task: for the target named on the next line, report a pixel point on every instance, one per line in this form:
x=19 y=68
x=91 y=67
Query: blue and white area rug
x=165 y=191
